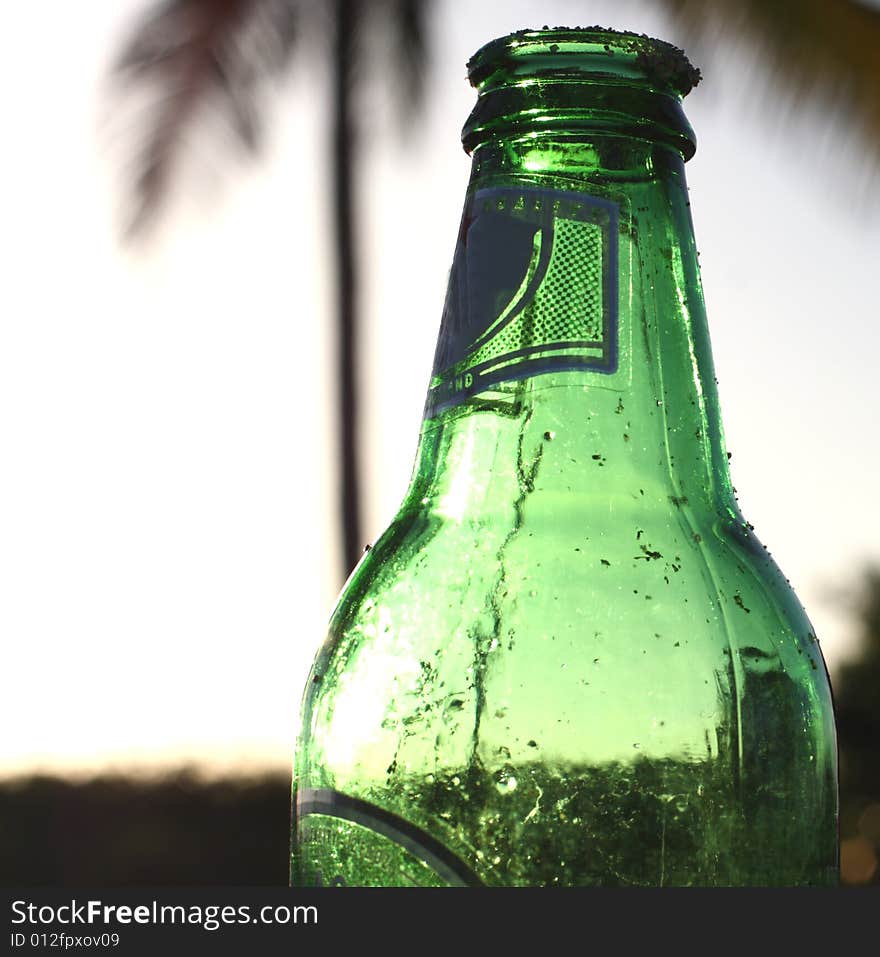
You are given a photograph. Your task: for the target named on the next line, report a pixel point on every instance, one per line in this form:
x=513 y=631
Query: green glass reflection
x=569 y=660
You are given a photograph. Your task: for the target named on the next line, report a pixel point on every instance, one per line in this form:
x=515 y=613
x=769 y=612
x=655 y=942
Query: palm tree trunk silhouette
x=344 y=223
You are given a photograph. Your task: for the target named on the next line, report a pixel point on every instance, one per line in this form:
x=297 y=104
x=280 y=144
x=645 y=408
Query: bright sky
x=167 y=550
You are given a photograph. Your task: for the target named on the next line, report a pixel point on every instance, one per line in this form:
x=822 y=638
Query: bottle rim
x=584 y=53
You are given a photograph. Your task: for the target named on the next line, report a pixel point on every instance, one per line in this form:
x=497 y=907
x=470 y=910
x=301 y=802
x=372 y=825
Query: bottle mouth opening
x=584 y=53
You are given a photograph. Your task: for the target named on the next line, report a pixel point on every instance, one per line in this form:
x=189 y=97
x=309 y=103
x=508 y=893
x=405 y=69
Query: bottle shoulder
x=517 y=663
x=662 y=584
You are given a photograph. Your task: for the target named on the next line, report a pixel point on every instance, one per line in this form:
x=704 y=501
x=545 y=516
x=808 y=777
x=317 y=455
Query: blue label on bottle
x=533 y=289
x=344 y=841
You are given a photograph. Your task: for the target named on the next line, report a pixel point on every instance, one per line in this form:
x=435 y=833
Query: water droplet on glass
x=549 y=436
x=505 y=782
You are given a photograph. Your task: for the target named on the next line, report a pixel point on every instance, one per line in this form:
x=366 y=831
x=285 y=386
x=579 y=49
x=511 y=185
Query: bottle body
x=569 y=661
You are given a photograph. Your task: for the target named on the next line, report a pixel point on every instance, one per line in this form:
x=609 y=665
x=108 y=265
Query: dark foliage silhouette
x=857 y=701
x=116 y=831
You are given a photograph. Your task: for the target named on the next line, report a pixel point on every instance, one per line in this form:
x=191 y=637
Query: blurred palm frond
x=196 y=52
x=813 y=50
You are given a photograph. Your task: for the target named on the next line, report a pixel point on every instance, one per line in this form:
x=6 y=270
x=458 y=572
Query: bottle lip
x=584 y=52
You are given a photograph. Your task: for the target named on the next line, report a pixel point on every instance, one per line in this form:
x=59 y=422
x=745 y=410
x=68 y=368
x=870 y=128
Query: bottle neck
x=574 y=354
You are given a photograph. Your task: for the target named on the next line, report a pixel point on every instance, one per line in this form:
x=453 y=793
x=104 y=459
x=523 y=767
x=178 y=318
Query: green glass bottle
x=569 y=660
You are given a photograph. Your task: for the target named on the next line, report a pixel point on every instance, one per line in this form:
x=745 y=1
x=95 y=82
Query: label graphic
x=345 y=841
x=533 y=289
